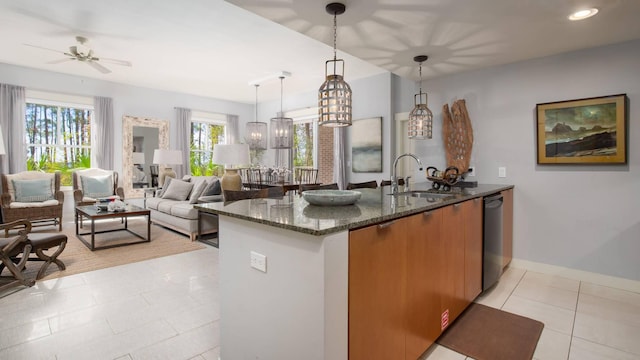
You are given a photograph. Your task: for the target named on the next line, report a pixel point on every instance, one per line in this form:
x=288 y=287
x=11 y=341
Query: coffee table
x=93 y=214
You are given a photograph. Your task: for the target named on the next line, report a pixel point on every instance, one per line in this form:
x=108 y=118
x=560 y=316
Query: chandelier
x=281 y=127
x=334 y=96
x=420 y=118
x=256 y=132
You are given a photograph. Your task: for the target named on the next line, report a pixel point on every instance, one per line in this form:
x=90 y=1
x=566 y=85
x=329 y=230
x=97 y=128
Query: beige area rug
x=78 y=258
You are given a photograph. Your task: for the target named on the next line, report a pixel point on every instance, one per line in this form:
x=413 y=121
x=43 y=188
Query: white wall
x=580 y=217
x=127 y=100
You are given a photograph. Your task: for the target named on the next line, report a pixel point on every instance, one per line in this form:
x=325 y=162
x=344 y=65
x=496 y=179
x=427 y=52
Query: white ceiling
x=213 y=48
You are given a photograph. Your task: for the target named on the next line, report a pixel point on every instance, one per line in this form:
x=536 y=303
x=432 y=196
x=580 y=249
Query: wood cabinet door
x=472 y=248
x=453 y=300
x=507 y=227
x=377 y=288
x=424 y=246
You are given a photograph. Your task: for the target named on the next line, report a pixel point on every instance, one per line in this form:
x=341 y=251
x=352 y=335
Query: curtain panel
x=12 y=121
x=232 y=129
x=183 y=140
x=102 y=143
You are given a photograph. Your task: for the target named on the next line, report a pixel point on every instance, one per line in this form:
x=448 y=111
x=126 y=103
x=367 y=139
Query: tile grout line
x=575 y=314
x=512 y=290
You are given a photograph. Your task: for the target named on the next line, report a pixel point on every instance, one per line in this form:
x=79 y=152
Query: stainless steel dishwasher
x=492 y=241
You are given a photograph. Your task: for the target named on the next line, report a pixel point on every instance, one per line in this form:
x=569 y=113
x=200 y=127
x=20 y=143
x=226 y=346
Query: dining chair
x=305 y=175
x=368 y=184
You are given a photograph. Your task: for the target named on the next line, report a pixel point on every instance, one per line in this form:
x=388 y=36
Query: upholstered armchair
x=91 y=184
x=34 y=196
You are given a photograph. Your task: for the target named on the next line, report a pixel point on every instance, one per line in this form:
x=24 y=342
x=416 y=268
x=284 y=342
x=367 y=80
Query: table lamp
x=230 y=155
x=168 y=158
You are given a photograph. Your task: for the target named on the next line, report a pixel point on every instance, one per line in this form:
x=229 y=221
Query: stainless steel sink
x=426 y=194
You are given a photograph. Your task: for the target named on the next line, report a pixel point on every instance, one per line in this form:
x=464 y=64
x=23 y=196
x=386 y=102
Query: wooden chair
x=332 y=186
x=39 y=209
x=305 y=175
x=388 y=182
x=10 y=248
x=368 y=184
x=269 y=192
x=82 y=197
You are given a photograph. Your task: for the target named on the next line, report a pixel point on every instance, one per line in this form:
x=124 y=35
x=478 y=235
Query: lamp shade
x=138 y=158
x=231 y=154
x=167 y=157
x=2 y=149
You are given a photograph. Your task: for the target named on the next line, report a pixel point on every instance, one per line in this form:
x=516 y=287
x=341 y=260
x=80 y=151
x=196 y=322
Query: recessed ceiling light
x=583 y=14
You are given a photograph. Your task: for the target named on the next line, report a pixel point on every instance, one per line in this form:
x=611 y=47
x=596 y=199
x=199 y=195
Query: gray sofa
x=169 y=210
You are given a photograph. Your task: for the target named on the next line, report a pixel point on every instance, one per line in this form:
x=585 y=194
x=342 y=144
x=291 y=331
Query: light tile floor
x=168 y=308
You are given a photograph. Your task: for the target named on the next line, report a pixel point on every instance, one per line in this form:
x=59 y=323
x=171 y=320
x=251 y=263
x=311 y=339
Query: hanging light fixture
x=334 y=96
x=281 y=127
x=256 y=134
x=420 y=118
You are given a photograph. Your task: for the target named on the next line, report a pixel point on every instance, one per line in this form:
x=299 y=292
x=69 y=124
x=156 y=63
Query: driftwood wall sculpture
x=457 y=135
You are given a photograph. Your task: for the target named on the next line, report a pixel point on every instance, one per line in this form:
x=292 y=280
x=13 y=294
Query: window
x=57 y=134
x=207 y=129
x=305 y=138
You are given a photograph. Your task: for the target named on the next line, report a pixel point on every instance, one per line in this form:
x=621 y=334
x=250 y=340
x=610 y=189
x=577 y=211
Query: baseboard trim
x=580 y=275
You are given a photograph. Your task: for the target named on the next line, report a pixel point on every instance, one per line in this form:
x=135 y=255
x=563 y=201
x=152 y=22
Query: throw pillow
x=178 y=190
x=213 y=188
x=167 y=181
x=97 y=186
x=198 y=188
x=32 y=190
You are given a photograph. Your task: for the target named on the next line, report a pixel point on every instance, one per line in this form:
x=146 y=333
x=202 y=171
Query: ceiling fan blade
x=98 y=67
x=60 y=61
x=116 y=61
x=44 y=48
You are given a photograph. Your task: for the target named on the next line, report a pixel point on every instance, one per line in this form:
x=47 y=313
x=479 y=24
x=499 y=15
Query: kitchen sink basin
x=426 y=194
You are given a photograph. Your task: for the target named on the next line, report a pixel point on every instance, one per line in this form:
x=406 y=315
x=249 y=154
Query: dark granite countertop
x=375 y=206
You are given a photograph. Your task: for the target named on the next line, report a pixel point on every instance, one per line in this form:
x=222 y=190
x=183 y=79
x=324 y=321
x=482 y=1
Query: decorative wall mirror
x=141 y=136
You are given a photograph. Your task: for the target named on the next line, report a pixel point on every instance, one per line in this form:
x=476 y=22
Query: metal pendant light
x=334 y=96
x=420 y=118
x=281 y=127
x=256 y=134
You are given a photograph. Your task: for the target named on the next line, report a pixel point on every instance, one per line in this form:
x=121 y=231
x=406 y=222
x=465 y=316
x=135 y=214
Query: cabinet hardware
x=476 y=199
x=386 y=225
x=427 y=213
x=457 y=205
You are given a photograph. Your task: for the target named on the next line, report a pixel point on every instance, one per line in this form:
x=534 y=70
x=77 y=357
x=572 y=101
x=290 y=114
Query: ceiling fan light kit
x=420 y=118
x=334 y=95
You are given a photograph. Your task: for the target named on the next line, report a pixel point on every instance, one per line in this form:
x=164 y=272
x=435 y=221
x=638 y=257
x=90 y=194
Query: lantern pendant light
x=334 y=96
x=420 y=118
x=256 y=132
x=281 y=127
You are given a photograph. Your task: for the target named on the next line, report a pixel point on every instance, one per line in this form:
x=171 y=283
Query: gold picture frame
x=583 y=131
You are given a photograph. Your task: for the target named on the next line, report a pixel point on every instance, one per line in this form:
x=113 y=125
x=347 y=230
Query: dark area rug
x=485 y=333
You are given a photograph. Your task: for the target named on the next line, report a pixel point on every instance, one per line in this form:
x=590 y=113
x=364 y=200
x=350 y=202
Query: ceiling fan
x=84 y=53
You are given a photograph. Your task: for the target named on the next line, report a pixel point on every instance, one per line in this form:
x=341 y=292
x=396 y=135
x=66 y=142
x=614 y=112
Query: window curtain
x=12 y=122
x=183 y=137
x=103 y=146
x=232 y=129
x=340 y=157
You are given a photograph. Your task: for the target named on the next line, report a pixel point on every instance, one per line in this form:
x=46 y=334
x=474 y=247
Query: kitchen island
x=303 y=305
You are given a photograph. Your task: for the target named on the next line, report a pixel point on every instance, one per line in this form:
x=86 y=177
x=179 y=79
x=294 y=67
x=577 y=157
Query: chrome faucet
x=394 y=177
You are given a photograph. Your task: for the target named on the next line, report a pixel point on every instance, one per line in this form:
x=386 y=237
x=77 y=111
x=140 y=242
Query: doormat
x=485 y=333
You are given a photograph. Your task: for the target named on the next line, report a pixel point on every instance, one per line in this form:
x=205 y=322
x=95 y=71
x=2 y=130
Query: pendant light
x=420 y=118
x=281 y=127
x=256 y=134
x=334 y=96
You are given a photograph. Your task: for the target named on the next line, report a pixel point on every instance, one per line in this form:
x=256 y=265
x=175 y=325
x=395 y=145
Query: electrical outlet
x=502 y=172
x=471 y=171
x=258 y=261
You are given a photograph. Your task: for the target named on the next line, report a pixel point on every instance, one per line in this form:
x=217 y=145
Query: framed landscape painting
x=583 y=131
x=366 y=145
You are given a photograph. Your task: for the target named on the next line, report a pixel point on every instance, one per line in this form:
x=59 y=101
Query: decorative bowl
x=331 y=197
